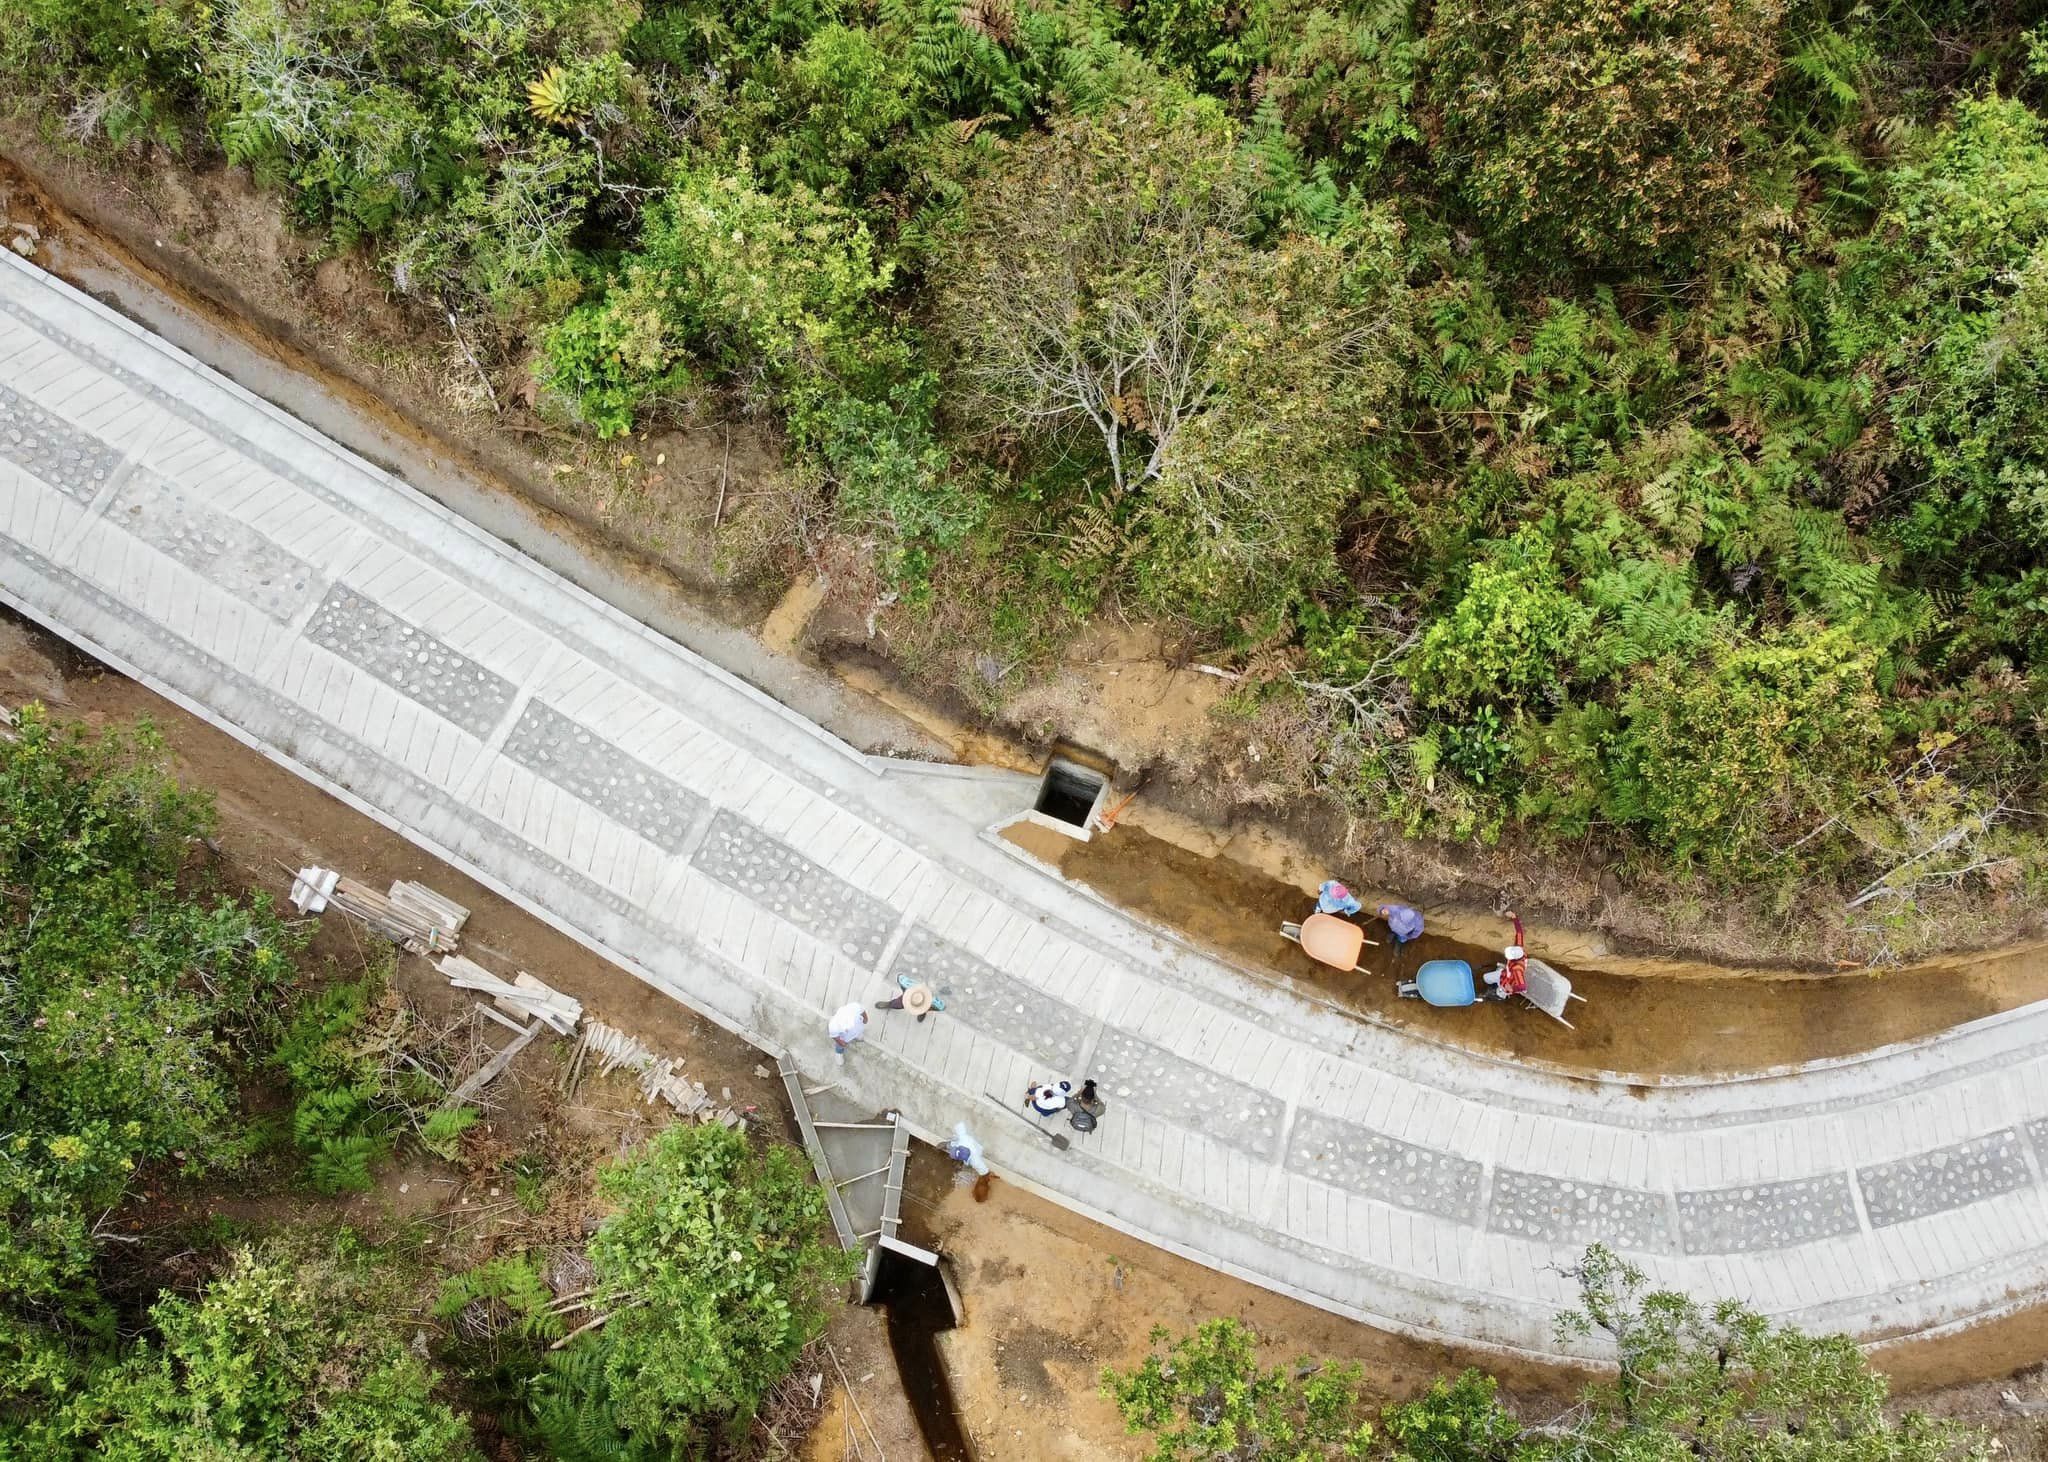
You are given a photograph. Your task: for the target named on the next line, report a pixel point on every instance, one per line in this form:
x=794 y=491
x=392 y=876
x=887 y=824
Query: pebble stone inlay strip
x=1154 y=1079
x=51 y=449
x=998 y=1005
x=227 y=552
x=1765 y=1215
x=1558 y=1211
x=781 y=880
x=347 y=760
x=616 y=783
x=411 y=661
x=1377 y=1166
x=1948 y=1177
x=2038 y=1130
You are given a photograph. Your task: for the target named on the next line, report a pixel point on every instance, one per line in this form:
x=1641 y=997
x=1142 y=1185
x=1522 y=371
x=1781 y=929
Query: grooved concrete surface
x=743 y=860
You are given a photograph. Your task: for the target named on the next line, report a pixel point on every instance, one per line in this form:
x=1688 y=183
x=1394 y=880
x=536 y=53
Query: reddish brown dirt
x=1701 y=1025
x=1051 y=1298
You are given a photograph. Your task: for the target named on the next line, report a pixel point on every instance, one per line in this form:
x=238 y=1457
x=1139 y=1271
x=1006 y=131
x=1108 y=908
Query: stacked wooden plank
x=443 y=912
x=411 y=915
x=524 y=996
x=613 y=1049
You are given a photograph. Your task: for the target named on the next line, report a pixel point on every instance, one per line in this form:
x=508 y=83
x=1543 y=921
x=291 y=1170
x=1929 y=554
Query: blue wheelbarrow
x=1445 y=982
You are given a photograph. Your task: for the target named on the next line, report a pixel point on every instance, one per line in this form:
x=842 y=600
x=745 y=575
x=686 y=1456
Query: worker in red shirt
x=1511 y=976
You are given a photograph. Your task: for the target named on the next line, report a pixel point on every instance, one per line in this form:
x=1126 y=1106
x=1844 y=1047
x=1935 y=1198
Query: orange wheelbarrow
x=1329 y=940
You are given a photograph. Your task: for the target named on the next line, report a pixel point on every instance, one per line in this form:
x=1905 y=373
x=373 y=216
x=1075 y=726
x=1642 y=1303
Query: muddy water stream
x=1627 y=1024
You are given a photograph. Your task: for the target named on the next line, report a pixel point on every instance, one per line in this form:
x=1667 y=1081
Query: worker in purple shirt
x=1403 y=922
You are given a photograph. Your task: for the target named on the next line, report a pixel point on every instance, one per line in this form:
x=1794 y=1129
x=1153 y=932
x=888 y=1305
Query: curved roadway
x=760 y=870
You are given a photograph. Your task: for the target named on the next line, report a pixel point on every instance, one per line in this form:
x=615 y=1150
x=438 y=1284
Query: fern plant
x=342 y=1164
x=442 y=1132
x=509 y=1292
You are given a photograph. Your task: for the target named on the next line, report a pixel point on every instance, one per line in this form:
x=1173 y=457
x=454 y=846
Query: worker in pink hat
x=1334 y=898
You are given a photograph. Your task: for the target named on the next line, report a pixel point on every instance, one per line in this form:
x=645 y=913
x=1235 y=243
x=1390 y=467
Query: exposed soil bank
x=1627 y=1024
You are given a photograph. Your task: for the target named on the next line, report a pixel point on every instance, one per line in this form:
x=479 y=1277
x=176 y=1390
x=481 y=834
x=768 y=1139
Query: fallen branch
x=475 y=364
x=854 y=1401
x=595 y=1324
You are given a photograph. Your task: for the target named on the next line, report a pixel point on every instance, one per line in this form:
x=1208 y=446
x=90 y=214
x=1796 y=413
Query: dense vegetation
x=141 y=1000
x=1585 y=420
x=1713 y=1384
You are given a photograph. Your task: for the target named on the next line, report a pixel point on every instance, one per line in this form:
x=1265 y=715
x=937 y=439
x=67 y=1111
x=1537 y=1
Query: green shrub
x=1207 y=1396
x=1948 y=300
x=134 y=990
x=1718 y=760
x=300 y=1349
x=1601 y=133
x=1513 y=633
x=717 y=1269
x=355 y=1065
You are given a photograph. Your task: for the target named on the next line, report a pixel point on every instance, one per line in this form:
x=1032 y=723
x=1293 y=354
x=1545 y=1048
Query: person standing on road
x=913 y=996
x=848 y=1024
x=1088 y=1107
x=1047 y=1100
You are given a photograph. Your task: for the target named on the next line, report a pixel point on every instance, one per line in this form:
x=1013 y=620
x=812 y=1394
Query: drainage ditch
x=916 y=1300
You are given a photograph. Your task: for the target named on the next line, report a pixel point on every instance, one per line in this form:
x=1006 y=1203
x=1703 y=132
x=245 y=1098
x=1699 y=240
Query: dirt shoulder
x=1643 y=1023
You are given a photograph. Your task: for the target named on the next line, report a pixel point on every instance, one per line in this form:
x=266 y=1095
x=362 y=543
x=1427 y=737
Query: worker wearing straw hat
x=914 y=996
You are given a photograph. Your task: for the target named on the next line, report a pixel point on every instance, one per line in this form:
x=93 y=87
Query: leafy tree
x=128 y=995
x=1694 y=1383
x=1722 y=1383
x=300 y=1349
x=756 y=285
x=1103 y=297
x=848 y=98
x=1207 y=1397
x=1514 y=630
x=716 y=1273
x=1459 y=1420
x=1947 y=299
x=1601 y=133
x=779 y=293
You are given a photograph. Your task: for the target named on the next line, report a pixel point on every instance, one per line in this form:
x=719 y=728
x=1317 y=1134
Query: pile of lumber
x=411 y=916
x=658 y=1076
x=525 y=997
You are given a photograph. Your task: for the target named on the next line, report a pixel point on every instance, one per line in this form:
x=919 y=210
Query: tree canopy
x=1713 y=1382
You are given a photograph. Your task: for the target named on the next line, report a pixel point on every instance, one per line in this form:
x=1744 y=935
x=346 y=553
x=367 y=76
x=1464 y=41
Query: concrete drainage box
x=1069 y=798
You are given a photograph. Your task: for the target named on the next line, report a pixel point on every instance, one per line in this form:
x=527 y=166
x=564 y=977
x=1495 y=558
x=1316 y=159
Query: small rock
x=23 y=245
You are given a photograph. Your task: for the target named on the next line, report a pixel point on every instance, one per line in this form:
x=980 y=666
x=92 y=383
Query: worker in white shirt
x=848 y=1024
